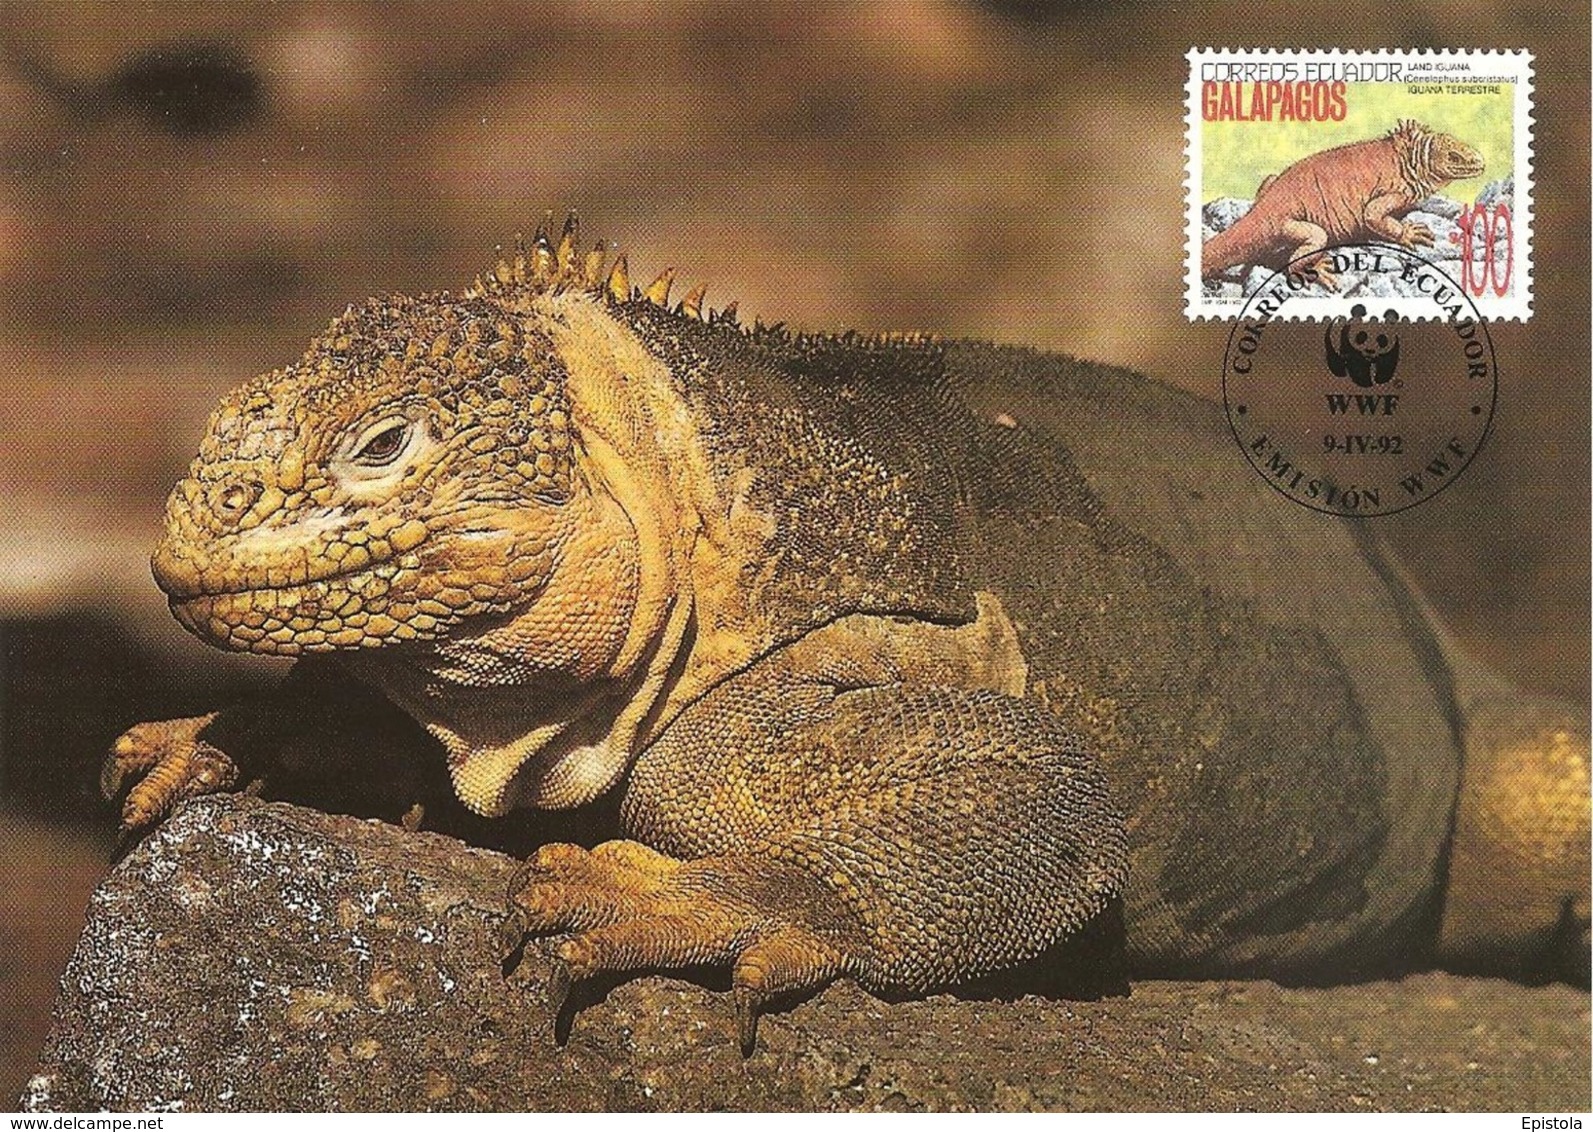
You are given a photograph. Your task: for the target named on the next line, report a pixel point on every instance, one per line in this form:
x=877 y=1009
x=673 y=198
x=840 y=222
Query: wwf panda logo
x=1366 y=354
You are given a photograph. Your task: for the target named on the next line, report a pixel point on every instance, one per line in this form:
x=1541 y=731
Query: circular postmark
x=1370 y=413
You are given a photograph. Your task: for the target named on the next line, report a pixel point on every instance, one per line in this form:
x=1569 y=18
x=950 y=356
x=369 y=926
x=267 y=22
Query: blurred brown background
x=188 y=192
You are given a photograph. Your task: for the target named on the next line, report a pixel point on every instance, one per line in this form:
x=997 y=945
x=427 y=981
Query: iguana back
x=1274 y=714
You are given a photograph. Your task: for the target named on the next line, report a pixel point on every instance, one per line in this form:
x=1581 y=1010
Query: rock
x=1446 y=207
x=253 y=955
x=1499 y=192
x=1254 y=278
x=1357 y=284
x=1223 y=213
x=1365 y=284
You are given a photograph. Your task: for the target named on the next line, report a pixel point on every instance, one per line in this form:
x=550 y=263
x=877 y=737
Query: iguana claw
x=630 y=910
x=510 y=936
x=747 y=1004
x=559 y=984
x=175 y=764
x=1416 y=235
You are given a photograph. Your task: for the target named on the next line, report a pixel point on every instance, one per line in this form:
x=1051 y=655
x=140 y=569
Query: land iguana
x=1350 y=193
x=910 y=659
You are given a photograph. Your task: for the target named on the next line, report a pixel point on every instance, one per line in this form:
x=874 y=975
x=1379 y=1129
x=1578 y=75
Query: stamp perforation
x=1513 y=187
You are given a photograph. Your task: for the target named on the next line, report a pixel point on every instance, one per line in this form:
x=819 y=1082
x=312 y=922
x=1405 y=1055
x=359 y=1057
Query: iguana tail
x=1517 y=897
x=1515 y=892
x=1243 y=242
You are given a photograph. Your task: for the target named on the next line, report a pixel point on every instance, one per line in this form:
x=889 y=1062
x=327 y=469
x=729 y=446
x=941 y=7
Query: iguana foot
x=1326 y=278
x=1416 y=235
x=174 y=762
x=632 y=910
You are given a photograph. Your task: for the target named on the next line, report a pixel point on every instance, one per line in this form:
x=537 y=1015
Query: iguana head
x=1429 y=160
x=413 y=469
x=485 y=499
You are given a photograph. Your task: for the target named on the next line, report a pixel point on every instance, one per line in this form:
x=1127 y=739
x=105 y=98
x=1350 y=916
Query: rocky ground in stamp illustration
x=1441 y=215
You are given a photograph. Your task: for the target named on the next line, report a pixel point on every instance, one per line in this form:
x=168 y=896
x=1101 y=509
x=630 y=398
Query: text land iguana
x=907 y=658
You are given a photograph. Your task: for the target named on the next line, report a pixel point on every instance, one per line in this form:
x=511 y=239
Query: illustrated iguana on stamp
x=909 y=658
x=1347 y=194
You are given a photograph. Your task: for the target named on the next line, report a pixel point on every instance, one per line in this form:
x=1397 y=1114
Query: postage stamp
x=1293 y=154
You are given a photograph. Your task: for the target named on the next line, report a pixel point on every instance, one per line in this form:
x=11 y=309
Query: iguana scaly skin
x=1351 y=193
x=908 y=657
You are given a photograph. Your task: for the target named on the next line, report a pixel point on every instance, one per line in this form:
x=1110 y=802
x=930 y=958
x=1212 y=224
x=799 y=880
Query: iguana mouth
x=343 y=554
x=357 y=610
x=341 y=594
x=183 y=588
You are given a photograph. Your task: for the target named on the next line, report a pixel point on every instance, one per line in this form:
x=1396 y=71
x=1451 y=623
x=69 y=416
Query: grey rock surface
x=1446 y=207
x=1498 y=192
x=1223 y=213
x=251 y=955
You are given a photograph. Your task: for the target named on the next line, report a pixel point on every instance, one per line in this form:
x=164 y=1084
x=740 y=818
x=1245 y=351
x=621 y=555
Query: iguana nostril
x=232 y=501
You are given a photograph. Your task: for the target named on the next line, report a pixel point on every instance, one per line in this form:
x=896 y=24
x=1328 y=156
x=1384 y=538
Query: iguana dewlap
x=1349 y=194
x=907 y=657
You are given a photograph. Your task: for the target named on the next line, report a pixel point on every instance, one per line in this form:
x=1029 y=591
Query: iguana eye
x=381 y=444
x=371 y=462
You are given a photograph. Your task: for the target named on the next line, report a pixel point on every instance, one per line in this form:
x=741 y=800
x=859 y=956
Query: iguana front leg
x=797 y=829
x=170 y=762
x=1310 y=240
x=1381 y=222
x=316 y=726
x=777 y=927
